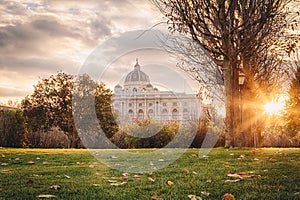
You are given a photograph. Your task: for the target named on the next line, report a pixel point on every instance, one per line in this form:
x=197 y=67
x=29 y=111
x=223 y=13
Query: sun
x=275 y=107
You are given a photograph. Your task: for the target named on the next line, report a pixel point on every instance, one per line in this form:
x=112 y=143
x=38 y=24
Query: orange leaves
x=228 y=197
x=186 y=170
x=170 y=183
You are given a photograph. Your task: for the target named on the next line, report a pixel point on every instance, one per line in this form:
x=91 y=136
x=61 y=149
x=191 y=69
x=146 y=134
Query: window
x=130 y=104
x=164 y=104
x=175 y=114
x=140 y=104
x=134 y=90
x=150 y=104
x=141 y=114
x=130 y=114
x=150 y=113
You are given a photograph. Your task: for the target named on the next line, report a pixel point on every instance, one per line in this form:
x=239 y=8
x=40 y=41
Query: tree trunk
x=229 y=102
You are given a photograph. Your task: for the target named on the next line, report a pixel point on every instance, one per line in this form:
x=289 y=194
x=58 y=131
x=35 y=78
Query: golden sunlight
x=275 y=107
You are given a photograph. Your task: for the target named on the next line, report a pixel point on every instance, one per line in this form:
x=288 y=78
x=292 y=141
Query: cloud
x=41 y=37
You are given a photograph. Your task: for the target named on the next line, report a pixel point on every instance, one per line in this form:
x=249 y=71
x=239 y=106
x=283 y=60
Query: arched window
x=150 y=113
x=134 y=90
x=165 y=114
x=130 y=114
x=174 y=113
x=141 y=114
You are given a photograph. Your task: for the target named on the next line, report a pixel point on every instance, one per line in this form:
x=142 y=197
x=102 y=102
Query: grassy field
x=246 y=173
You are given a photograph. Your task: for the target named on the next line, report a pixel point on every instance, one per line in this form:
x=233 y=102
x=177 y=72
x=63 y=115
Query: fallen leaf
x=195 y=172
x=156 y=198
x=297 y=193
x=112 y=181
x=232 y=181
x=209 y=181
x=242 y=173
x=91 y=166
x=151 y=180
x=228 y=197
x=243 y=156
x=55 y=187
x=151 y=163
x=118 y=184
x=96 y=185
x=3 y=156
x=205 y=194
x=4 y=164
x=5 y=171
x=113 y=157
x=170 y=183
x=136 y=176
x=97 y=174
x=256 y=159
x=30 y=162
x=186 y=170
x=38 y=158
x=45 y=163
x=204 y=156
x=125 y=178
x=35 y=175
x=46 y=196
x=194 y=155
x=232 y=154
x=161 y=160
x=17 y=159
x=125 y=174
x=194 y=197
x=67 y=176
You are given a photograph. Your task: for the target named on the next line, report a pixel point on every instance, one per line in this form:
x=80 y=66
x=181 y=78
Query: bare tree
x=232 y=32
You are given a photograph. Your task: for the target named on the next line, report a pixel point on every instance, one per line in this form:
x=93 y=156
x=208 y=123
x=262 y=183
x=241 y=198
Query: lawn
x=267 y=173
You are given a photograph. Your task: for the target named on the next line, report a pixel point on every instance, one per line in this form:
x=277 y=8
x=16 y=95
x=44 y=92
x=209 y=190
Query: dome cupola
x=136 y=76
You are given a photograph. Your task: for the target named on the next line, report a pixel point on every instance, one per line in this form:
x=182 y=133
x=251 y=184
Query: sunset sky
x=41 y=37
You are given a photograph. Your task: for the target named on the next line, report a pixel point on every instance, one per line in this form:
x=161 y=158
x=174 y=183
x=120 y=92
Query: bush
x=13 y=132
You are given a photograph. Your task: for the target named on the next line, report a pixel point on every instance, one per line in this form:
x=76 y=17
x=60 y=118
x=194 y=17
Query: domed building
x=139 y=99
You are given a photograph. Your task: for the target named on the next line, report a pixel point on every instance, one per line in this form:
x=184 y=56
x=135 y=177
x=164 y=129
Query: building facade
x=138 y=99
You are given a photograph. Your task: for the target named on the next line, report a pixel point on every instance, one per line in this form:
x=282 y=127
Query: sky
x=42 y=37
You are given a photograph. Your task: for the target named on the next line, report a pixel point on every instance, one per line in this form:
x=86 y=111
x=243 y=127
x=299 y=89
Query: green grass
x=276 y=175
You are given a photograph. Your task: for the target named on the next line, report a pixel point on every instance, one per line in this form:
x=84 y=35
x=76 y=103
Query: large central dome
x=136 y=76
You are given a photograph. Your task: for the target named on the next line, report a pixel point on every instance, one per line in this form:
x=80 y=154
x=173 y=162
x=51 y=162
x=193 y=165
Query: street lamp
x=241 y=83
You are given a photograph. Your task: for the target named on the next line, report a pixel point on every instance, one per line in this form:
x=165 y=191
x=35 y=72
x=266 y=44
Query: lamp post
x=241 y=83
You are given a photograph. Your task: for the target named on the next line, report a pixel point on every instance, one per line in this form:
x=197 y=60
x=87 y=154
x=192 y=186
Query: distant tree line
x=46 y=119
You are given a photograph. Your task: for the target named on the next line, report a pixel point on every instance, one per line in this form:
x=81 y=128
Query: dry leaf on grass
x=205 y=194
x=118 y=184
x=3 y=156
x=112 y=181
x=161 y=160
x=46 y=196
x=151 y=180
x=136 y=176
x=30 y=162
x=186 y=170
x=91 y=166
x=55 y=187
x=5 y=171
x=125 y=174
x=156 y=198
x=17 y=159
x=228 y=197
x=66 y=176
x=232 y=181
x=194 y=197
x=170 y=183
x=96 y=185
x=4 y=164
